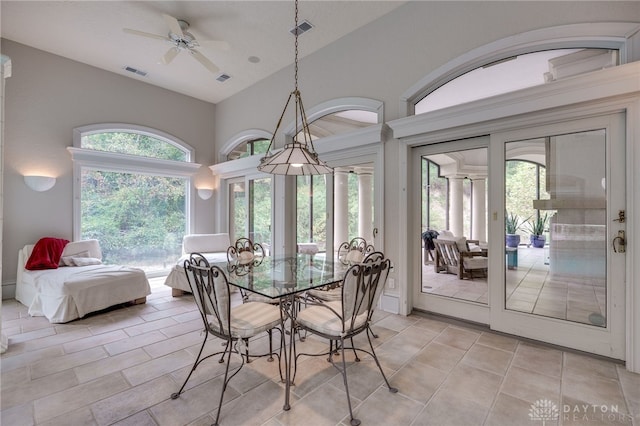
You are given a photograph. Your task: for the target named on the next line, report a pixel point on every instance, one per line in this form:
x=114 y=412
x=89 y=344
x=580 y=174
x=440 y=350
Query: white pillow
x=75 y=247
x=462 y=244
x=354 y=256
x=205 y=243
x=86 y=261
x=70 y=260
x=245 y=257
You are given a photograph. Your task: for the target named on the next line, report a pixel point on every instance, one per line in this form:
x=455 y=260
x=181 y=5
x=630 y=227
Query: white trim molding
x=337 y=105
x=622 y=36
x=238 y=138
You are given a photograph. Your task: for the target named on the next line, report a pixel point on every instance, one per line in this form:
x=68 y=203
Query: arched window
x=515 y=73
x=248 y=148
x=559 y=52
x=132 y=188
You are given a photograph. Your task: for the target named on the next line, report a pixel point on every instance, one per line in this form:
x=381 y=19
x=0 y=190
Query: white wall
x=383 y=59
x=46 y=97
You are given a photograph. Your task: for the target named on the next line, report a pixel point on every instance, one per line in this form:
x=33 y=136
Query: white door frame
x=607 y=341
x=602 y=92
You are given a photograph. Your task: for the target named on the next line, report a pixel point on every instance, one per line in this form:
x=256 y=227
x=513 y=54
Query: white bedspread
x=177 y=278
x=67 y=293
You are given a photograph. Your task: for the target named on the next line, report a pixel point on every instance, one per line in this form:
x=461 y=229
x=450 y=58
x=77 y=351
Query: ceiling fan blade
x=204 y=61
x=173 y=24
x=171 y=53
x=143 y=34
x=215 y=44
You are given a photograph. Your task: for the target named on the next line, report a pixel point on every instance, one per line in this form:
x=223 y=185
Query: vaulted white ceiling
x=91 y=32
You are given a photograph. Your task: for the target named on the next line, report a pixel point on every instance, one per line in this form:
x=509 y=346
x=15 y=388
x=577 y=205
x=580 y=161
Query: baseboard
x=8 y=290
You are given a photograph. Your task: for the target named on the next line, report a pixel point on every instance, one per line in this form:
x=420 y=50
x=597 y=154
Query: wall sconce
x=40 y=183
x=205 y=193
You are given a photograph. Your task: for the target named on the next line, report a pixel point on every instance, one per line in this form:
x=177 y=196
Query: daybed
x=70 y=292
x=212 y=246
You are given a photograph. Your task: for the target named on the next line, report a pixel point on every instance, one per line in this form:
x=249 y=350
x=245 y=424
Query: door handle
x=375 y=232
x=619 y=243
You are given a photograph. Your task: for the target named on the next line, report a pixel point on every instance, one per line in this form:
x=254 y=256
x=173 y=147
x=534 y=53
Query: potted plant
x=536 y=228
x=513 y=224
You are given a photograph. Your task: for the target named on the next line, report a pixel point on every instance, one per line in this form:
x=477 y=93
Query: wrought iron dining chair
x=242 y=256
x=211 y=292
x=354 y=251
x=244 y=251
x=340 y=321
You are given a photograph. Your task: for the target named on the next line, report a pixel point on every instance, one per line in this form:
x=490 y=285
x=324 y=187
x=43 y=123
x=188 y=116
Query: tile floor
x=530 y=288
x=120 y=367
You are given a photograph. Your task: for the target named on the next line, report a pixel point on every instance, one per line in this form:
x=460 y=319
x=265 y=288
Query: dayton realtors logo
x=545 y=410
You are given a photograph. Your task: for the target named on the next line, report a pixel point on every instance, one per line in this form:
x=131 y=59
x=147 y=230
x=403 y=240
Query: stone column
x=365 y=206
x=455 y=206
x=340 y=208
x=479 y=209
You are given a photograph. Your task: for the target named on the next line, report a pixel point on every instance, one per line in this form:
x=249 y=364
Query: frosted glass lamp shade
x=294 y=159
x=40 y=183
x=205 y=193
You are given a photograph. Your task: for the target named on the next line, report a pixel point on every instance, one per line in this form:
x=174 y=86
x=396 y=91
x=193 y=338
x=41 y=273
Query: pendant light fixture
x=298 y=157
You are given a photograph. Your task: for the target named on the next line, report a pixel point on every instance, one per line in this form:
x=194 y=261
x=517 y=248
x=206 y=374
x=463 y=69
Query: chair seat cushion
x=323 y=320
x=252 y=318
x=334 y=294
x=475 y=262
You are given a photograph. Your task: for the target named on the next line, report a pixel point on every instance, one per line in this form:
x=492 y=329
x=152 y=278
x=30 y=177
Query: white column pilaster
x=341 y=207
x=479 y=209
x=365 y=206
x=455 y=206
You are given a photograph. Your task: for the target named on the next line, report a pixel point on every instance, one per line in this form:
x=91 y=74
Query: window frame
x=84 y=158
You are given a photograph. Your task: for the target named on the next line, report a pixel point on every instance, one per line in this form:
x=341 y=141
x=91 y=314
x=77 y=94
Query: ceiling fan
x=181 y=39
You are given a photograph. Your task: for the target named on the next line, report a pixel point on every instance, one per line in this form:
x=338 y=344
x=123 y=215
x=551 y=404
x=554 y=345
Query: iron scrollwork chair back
x=354 y=251
x=245 y=251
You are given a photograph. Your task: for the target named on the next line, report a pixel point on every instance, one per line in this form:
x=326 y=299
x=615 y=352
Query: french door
x=571 y=291
x=250 y=207
x=569 y=178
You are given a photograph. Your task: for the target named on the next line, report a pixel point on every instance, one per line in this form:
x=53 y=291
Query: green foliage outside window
x=133 y=144
x=139 y=219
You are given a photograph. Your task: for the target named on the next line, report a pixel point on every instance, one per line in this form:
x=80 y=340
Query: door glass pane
x=454 y=225
x=555 y=188
x=237 y=210
x=260 y=211
x=312 y=214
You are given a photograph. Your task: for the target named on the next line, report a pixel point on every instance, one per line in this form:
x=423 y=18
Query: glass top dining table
x=277 y=277
x=282 y=278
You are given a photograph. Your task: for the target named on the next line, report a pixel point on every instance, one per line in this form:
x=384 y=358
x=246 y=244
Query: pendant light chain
x=295 y=61
x=298 y=157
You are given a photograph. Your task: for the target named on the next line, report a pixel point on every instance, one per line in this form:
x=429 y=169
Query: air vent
x=136 y=71
x=303 y=27
x=223 y=77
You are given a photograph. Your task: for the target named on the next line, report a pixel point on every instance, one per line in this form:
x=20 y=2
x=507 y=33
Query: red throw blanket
x=46 y=253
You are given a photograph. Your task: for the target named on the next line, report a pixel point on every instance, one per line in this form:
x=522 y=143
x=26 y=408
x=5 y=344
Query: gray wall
x=48 y=96
x=383 y=59
x=45 y=98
